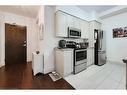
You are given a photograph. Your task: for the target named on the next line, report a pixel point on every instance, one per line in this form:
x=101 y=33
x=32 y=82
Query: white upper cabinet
x=70 y=21
x=73 y=22
x=93 y=25
x=76 y=22
x=64 y=20
x=84 y=26
x=61 y=24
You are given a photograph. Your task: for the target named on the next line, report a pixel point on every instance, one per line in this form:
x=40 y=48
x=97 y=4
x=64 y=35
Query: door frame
x=5 y=38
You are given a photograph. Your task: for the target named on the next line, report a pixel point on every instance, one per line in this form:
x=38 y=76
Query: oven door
x=74 y=33
x=80 y=56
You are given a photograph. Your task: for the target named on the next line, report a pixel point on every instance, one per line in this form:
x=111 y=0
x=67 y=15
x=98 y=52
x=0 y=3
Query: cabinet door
x=76 y=23
x=93 y=25
x=59 y=62
x=90 y=56
x=97 y=25
x=61 y=24
x=91 y=34
x=68 y=62
x=87 y=29
x=84 y=29
x=70 y=21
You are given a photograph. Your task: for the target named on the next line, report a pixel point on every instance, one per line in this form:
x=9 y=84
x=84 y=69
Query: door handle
x=24 y=45
x=24 y=42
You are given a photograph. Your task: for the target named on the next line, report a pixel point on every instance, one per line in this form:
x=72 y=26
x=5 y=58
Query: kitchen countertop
x=63 y=49
x=67 y=49
x=90 y=48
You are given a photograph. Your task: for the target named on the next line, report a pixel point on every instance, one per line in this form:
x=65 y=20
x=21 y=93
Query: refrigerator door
x=101 y=57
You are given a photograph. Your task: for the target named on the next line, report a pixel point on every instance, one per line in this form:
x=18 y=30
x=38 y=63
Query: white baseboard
x=28 y=60
x=1 y=65
x=116 y=62
x=110 y=61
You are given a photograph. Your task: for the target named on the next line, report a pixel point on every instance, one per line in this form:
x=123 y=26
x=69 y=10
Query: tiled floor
x=109 y=76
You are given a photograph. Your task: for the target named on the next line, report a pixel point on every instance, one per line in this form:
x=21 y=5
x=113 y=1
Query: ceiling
x=32 y=10
x=24 y=10
x=96 y=8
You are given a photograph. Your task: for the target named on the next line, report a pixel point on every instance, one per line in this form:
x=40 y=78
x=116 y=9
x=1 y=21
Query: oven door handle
x=81 y=50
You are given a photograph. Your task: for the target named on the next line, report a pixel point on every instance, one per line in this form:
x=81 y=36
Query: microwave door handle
x=80 y=32
x=68 y=30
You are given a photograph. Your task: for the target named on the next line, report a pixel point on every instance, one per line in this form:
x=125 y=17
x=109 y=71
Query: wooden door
x=15 y=44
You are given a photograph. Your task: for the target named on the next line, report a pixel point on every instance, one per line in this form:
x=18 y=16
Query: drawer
x=80 y=68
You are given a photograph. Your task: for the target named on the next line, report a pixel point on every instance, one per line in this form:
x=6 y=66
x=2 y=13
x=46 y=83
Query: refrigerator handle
x=101 y=39
x=101 y=43
x=102 y=34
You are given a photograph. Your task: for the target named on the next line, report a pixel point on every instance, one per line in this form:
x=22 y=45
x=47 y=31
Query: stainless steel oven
x=80 y=60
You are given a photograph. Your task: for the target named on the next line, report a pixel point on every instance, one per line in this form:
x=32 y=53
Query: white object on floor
x=108 y=76
x=37 y=63
x=55 y=76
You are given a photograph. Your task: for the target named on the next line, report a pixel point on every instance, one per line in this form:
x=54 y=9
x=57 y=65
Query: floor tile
x=108 y=84
x=108 y=76
x=121 y=86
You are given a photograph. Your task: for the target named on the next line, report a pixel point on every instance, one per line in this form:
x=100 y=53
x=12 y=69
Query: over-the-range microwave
x=74 y=32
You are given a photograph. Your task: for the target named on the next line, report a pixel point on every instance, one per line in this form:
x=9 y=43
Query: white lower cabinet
x=90 y=56
x=37 y=63
x=84 y=26
x=64 y=61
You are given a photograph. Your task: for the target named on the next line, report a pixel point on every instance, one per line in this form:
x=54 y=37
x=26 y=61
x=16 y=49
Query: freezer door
x=101 y=57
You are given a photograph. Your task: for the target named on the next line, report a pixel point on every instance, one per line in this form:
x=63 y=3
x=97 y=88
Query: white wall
x=116 y=47
x=40 y=19
x=49 y=39
x=19 y=20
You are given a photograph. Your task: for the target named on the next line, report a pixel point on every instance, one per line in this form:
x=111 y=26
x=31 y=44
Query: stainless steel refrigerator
x=99 y=47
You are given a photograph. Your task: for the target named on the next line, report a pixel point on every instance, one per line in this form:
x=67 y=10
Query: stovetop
x=79 y=48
